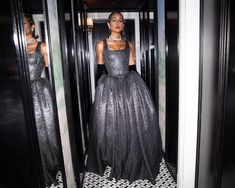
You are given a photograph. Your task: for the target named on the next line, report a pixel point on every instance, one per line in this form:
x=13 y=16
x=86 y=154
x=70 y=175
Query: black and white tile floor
x=59 y=181
x=164 y=180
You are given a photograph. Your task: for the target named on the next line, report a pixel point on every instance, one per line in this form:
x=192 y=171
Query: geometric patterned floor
x=163 y=180
x=59 y=180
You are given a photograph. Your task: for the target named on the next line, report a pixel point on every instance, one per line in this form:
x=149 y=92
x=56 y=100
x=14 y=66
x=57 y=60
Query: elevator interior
x=152 y=26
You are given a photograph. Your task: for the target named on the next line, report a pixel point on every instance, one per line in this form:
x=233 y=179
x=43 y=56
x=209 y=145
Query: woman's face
x=27 y=27
x=116 y=23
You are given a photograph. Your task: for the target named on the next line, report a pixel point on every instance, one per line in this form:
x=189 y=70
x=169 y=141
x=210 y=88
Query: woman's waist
x=120 y=75
x=38 y=79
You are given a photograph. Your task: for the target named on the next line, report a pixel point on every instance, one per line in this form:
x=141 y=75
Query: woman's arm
x=99 y=52
x=132 y=66
x=44 y=53
x=132 y=52
x=99 y=60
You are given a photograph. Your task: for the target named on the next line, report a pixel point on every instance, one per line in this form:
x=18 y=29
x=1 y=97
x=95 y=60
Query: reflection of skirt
x=124 y=130
x=45 y=122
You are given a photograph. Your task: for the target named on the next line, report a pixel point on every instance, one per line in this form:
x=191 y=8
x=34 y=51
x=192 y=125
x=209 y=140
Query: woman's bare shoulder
x=99 y=44
x=43 y=46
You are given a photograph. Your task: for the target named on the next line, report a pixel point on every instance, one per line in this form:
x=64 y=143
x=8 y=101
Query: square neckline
x=37 y=49
x=107 y=46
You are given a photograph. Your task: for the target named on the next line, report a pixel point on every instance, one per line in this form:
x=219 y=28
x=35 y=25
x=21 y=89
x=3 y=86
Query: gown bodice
x=36 y=63
x=116 y=61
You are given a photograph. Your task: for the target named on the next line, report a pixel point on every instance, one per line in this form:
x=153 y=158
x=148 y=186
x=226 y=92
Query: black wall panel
x=228 y=156
x=17 y=164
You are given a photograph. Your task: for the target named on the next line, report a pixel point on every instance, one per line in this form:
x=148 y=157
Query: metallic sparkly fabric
x=44 y=115
x=124 y=132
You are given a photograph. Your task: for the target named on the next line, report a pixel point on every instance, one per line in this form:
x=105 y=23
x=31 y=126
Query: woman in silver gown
x=44 y=104
x=124 y=130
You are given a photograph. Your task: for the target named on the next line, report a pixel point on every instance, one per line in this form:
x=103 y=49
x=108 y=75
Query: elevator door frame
x=189 y=32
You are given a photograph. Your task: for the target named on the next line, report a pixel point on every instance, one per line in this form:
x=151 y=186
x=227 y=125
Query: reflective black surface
x=215 y=160
x=172 y=90
x=228 y=163
x=18 y=163
x=209 y=91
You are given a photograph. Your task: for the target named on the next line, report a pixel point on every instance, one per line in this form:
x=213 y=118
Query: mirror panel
x=44 y=66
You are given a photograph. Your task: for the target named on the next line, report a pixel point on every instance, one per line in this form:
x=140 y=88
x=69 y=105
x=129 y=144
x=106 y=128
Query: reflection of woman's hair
x=109 y=19
x=115 y=12
x=29 y=17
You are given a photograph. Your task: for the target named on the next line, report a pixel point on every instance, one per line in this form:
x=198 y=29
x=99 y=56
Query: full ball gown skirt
x=44 y=111
x=124 y=130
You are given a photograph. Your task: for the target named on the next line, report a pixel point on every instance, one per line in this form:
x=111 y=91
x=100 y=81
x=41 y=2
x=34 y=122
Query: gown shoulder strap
x=105 y=44
x=38 y=48
x=127 y=45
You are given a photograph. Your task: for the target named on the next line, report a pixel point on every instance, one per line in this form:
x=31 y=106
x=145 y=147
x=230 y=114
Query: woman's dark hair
x=29 y=17
x=115 y=12
x=109 y=19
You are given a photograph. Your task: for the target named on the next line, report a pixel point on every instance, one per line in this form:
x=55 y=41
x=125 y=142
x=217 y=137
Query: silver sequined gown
x=44 y=116
x=124 y=130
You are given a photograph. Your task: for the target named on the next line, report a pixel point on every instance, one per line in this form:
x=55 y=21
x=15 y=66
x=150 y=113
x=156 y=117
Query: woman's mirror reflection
x=44 y=105
x=32 y=40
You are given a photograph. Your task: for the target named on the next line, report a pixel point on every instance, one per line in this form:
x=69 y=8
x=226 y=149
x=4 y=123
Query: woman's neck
x=30 y=39
x=115 y=37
